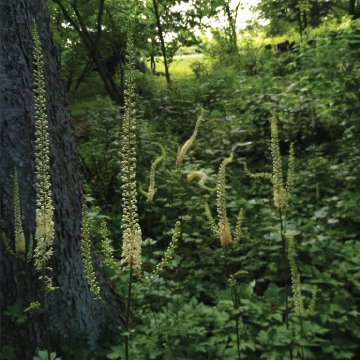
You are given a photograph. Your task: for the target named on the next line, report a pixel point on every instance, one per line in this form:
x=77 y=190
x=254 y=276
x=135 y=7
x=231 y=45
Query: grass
x=84 y=100
x=180 y=67
x=79 y=107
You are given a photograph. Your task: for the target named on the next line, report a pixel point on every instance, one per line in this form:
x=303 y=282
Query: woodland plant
x=44 y=234
x=17 y=311
x=202 y=177
x=131 y=246
x=151 y=192
x=281 y=201
x=131 y=250
x=19 y=233
x=223 y=232
x=296 y=287
x=249 y=257
x=182 y=152
x=223 y=229
x=296 y=283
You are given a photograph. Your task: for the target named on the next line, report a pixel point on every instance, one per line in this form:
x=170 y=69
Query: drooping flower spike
x=202 y=177
x=232 y=279
x=186 y=146
x=150 y=194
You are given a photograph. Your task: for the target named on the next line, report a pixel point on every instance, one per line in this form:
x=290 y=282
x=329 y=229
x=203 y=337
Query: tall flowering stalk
x=295 y=278
x=224 y=226
x=20 y=246
x=296 y=283
x=44 y=234
x=19 y=233
x=89 y=269
x=131 y=247
x=296 y=286
x=131 y=255
x=223 y=229
x=281 y=195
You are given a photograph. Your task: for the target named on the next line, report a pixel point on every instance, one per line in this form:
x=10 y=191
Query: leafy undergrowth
x=189 y=312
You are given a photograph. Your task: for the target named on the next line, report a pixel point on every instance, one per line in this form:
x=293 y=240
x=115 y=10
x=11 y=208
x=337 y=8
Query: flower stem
x=302 y=350
x=128 y=316
x=237 y=323
x=236 y=306
x=44 y=309
x=285 y=272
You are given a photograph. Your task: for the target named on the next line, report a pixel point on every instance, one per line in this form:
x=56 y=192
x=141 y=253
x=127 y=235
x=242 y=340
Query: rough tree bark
x=71 y=309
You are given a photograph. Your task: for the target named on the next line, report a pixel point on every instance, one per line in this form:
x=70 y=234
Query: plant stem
x=112 y=315
x=302 y=350
x=128 y=317
x=152 y=307
x=236 y=306
x=237 y=325
x=285 y=272
x=44 y=310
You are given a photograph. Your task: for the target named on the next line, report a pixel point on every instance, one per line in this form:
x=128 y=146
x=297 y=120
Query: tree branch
x=331 y=3
x=98 y=35
x=73 y=23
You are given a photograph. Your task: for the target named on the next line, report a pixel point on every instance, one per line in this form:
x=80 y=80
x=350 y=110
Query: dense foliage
x=191 y=311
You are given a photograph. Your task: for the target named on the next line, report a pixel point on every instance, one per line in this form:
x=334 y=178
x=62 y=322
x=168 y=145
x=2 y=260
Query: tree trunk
x=82 y=76
x=305 y=20
x=71 y=309
x=162 y=42
x=152 y=57
x=232 y=24
x=122 y=71
x=299 y=21
x=353 y=11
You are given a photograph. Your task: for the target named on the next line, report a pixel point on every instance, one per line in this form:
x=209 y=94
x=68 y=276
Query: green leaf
x=321 y=213
x=7 y=352
x=22 y=319
x=118 y=351
x=272 y=293
x=277 y=317
x=292 y=232
x=263 y=337
x=42 y=355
